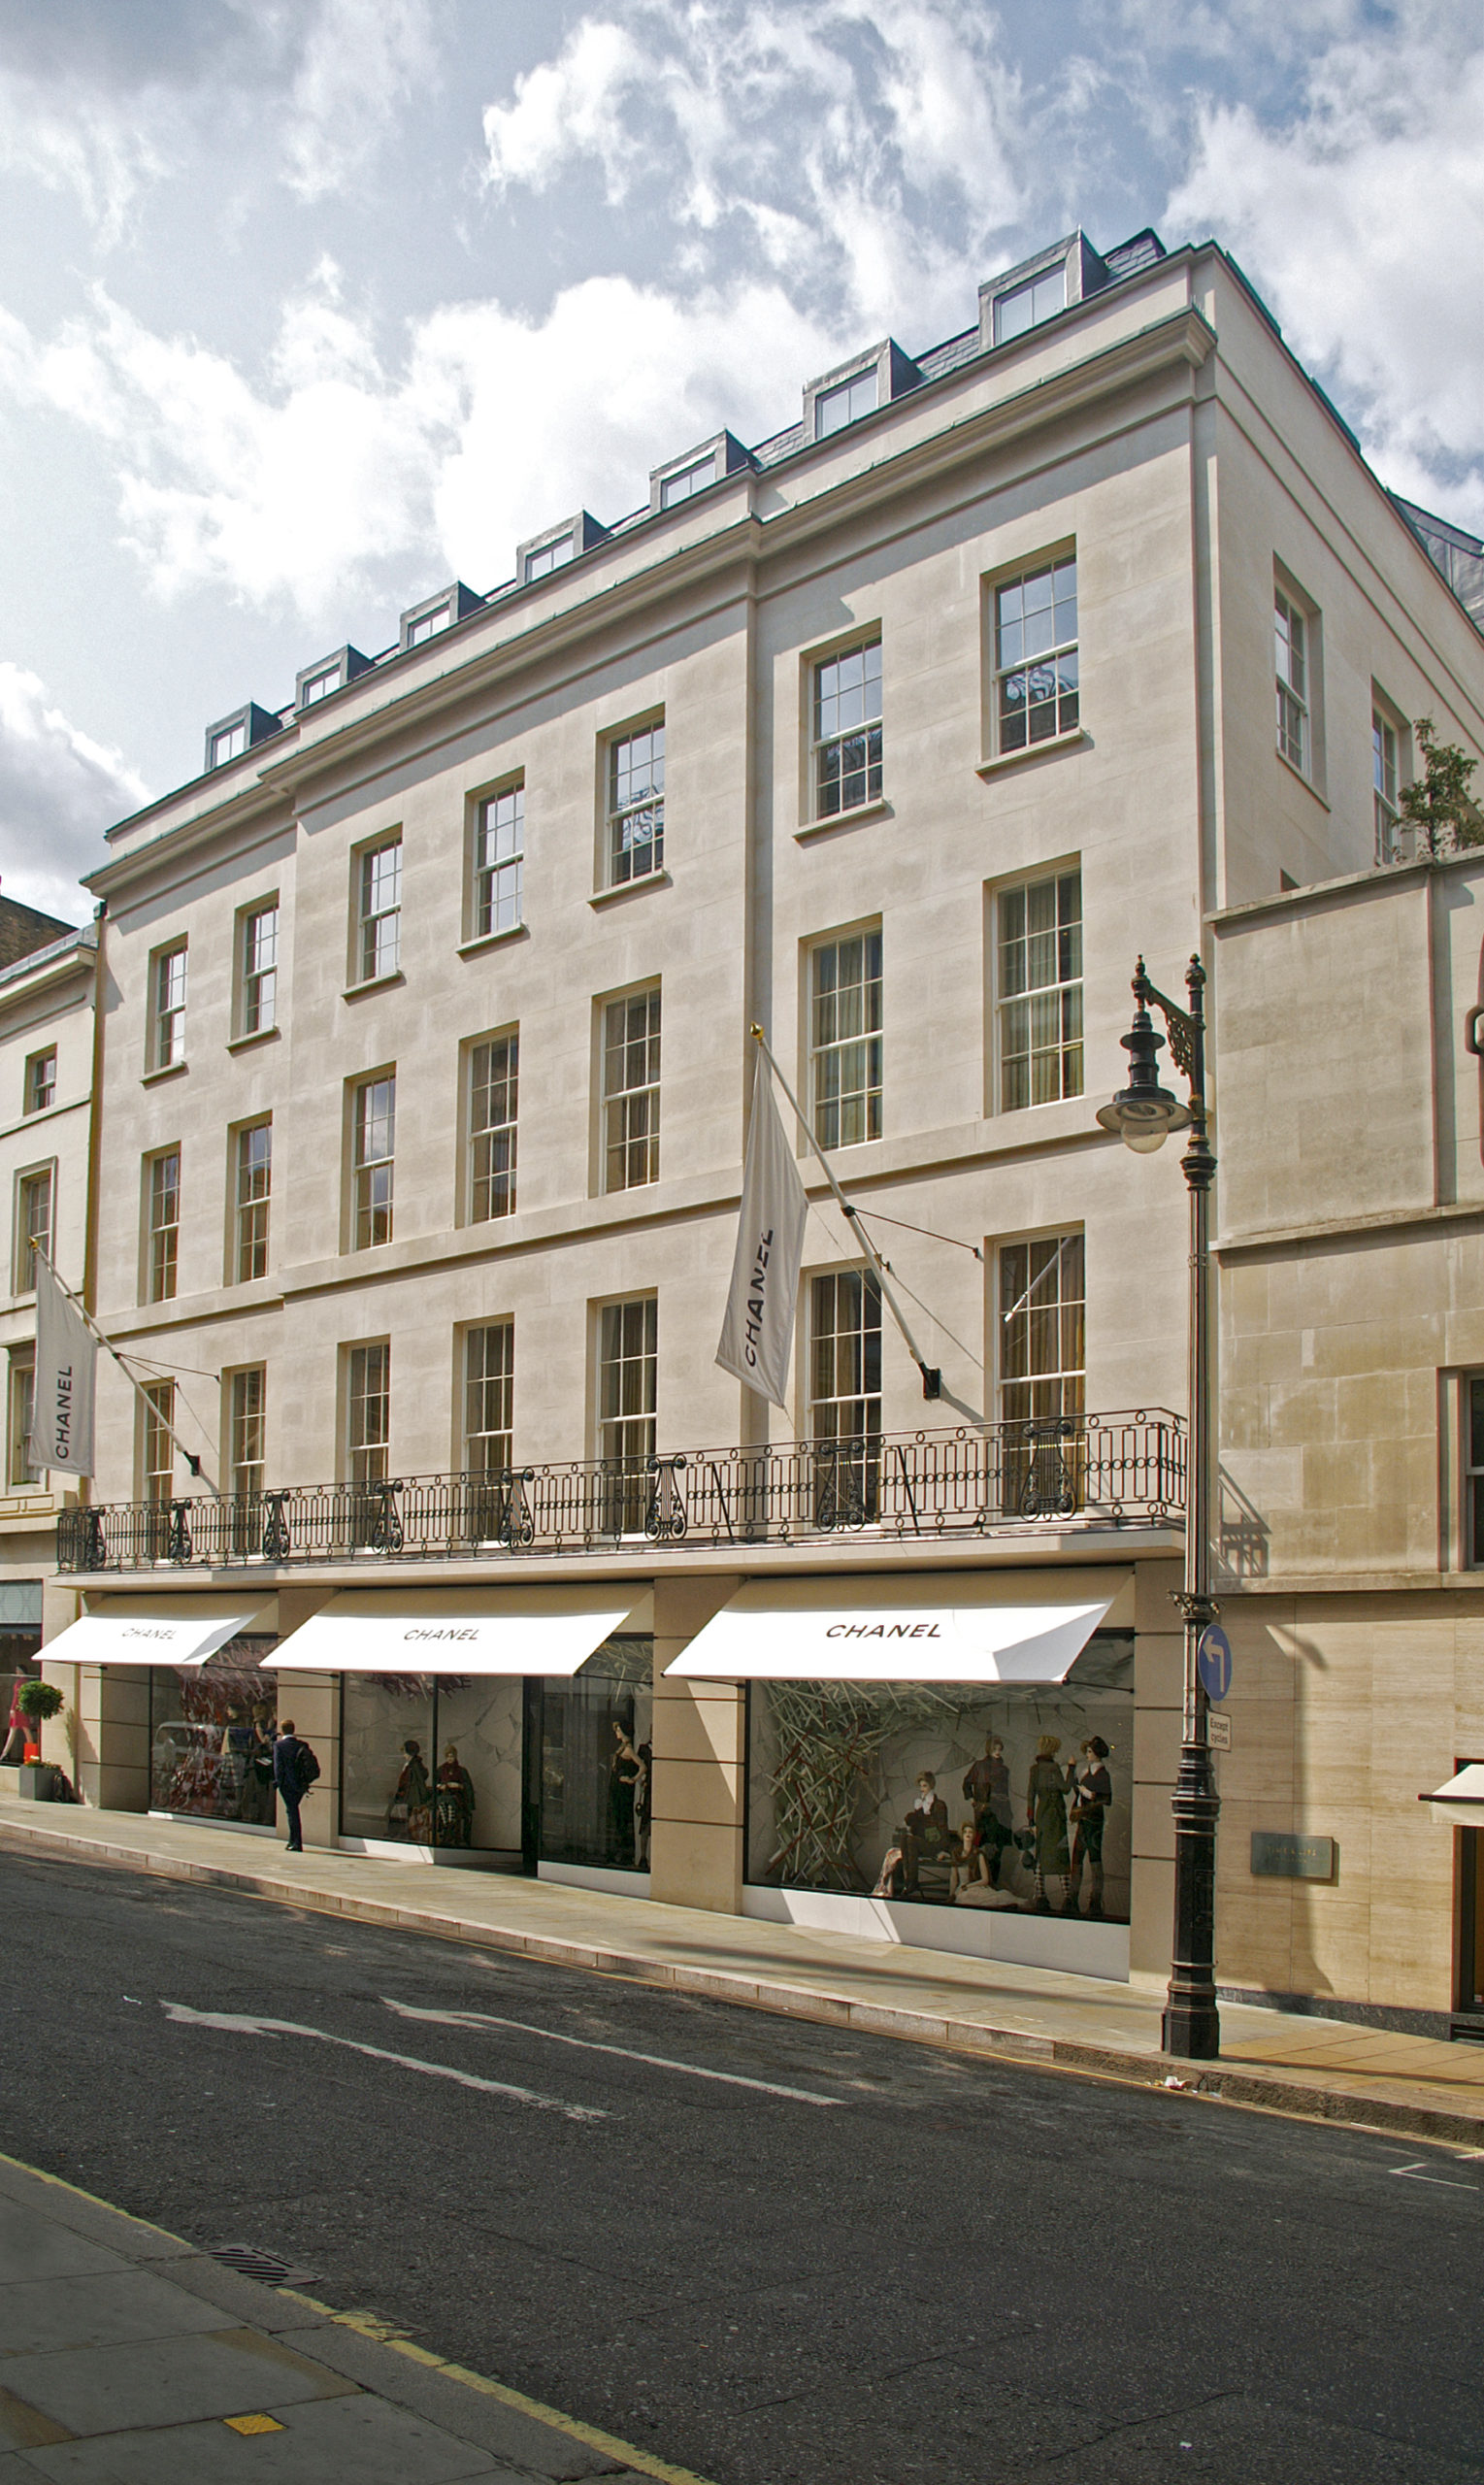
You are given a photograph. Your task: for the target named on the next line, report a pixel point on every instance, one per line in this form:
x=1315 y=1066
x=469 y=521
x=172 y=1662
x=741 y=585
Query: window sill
x=245 y=1044
x=630 y=888
x=880 y=808
x=1033 y=750
x=374 y=984
x=1307 y=782
x=493 y=940
x=171 y=1069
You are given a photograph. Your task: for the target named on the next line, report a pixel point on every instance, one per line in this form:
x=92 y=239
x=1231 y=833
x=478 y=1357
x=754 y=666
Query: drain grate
x=250 y=2262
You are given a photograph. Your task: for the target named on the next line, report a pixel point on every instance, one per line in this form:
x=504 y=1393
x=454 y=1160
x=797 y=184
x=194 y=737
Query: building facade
x=425 y=1077
x=1351 y=1261
x=46 y=1162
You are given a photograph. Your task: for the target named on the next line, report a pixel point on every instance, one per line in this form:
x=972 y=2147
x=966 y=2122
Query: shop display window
x=992 y=1796
x=211 y=1735
x=432 y=1759
x=593 y=1733
x=20 y=1662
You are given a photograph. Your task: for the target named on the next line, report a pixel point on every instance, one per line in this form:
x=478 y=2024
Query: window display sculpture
x=828 y=1741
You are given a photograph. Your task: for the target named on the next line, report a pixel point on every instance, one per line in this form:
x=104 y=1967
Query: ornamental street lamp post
x=1143 y=1114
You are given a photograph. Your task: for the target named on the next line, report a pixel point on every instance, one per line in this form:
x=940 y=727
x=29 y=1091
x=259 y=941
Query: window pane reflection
x=211 y=1735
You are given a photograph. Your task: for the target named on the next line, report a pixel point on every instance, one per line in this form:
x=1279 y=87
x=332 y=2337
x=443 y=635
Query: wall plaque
x=1280 y=1856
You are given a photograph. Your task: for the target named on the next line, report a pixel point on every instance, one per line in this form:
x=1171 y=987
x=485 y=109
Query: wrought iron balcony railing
x=1117 y=1470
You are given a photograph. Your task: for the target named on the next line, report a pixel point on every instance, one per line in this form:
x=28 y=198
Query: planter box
x=35 y=1779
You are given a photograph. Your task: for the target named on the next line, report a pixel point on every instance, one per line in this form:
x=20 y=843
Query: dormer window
x=423 y=621
x=675 y=488
x=230 y=737
x=547 y=557
x=1058 y=279
x=328 y=674
x=835 y=407
x=540 y=556
x=696 y=470
x=1029 y=304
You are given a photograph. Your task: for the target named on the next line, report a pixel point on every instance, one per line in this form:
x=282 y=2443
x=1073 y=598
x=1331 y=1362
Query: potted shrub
x=37 y=1701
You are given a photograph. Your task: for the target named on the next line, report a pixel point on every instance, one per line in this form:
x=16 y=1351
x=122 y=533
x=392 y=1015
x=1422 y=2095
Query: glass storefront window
x=432 y=1759
x=969 y=1795
x=211 y=1735
x=593 y=1732
x=20 y=1662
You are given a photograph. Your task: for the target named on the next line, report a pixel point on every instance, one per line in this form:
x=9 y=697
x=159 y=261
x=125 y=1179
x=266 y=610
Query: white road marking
x=591 y=2045
x=242 y=2024
x=1417 y=2175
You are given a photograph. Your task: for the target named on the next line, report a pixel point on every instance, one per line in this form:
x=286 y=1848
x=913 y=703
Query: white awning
x=506 y=1631
x=954 y=1627
x=136 y=1631
x=1462 y=1800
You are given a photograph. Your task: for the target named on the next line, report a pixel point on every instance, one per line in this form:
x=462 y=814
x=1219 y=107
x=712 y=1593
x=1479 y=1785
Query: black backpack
x=308 y=1769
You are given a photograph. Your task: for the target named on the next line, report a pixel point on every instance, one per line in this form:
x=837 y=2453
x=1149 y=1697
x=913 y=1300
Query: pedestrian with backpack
x=294 y=1772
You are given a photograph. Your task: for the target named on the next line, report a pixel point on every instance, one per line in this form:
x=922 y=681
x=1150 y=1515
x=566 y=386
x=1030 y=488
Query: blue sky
x=307 y=306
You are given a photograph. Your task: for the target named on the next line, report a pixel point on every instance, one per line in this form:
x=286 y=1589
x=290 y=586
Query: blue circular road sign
x=1213 y=1662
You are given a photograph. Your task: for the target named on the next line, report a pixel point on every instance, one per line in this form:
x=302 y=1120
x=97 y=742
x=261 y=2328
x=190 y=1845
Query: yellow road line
x=370 y=2325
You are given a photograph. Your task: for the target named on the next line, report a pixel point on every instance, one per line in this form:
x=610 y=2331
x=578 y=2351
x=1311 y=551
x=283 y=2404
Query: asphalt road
x=836 y=2259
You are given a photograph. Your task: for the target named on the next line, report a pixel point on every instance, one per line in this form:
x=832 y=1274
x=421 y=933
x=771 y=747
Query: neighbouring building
x=425 y=1070
x=1351 y=1260
x=46 y=1124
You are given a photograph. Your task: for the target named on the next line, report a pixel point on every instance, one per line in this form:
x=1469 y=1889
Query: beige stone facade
x=1156 y=437
x=1352 y=1308
x=46 y=1126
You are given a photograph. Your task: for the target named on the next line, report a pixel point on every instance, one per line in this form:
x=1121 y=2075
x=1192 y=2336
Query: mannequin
x=453 y=1801
x=1046 y=1818
x=625 y=1779
x=1092 y=1793
x=409 y=1813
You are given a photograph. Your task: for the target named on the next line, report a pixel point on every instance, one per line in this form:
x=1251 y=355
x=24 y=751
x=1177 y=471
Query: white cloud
x=565 y=107
x=1241 y=31
x=106 y=102
x=60 y=790
x=360 y=61
x=1361 y=221
x=79 y=141
x=340 y=473
x=868 y=149
x=578 y=406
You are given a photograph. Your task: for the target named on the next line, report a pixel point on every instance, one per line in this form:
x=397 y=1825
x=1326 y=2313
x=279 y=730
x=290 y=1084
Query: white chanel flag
x=757 y=1332
x=66 y=1369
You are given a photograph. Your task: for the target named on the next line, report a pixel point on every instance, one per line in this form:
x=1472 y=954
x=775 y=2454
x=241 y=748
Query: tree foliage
x=38 y=1700
x=1437 y=804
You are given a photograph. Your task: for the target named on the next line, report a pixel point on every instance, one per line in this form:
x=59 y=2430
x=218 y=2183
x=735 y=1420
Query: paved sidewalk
x=129 y=2357
x=1299 y=2065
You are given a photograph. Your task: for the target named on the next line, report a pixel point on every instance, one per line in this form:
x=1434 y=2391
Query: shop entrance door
x=1470 y=1926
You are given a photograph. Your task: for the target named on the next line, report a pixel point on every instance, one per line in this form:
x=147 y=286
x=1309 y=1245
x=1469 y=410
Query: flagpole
x=932 y=1377
x=190 y=1456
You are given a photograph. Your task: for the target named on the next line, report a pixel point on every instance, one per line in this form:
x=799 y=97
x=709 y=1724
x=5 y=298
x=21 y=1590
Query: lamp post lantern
x=1143 y=1114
